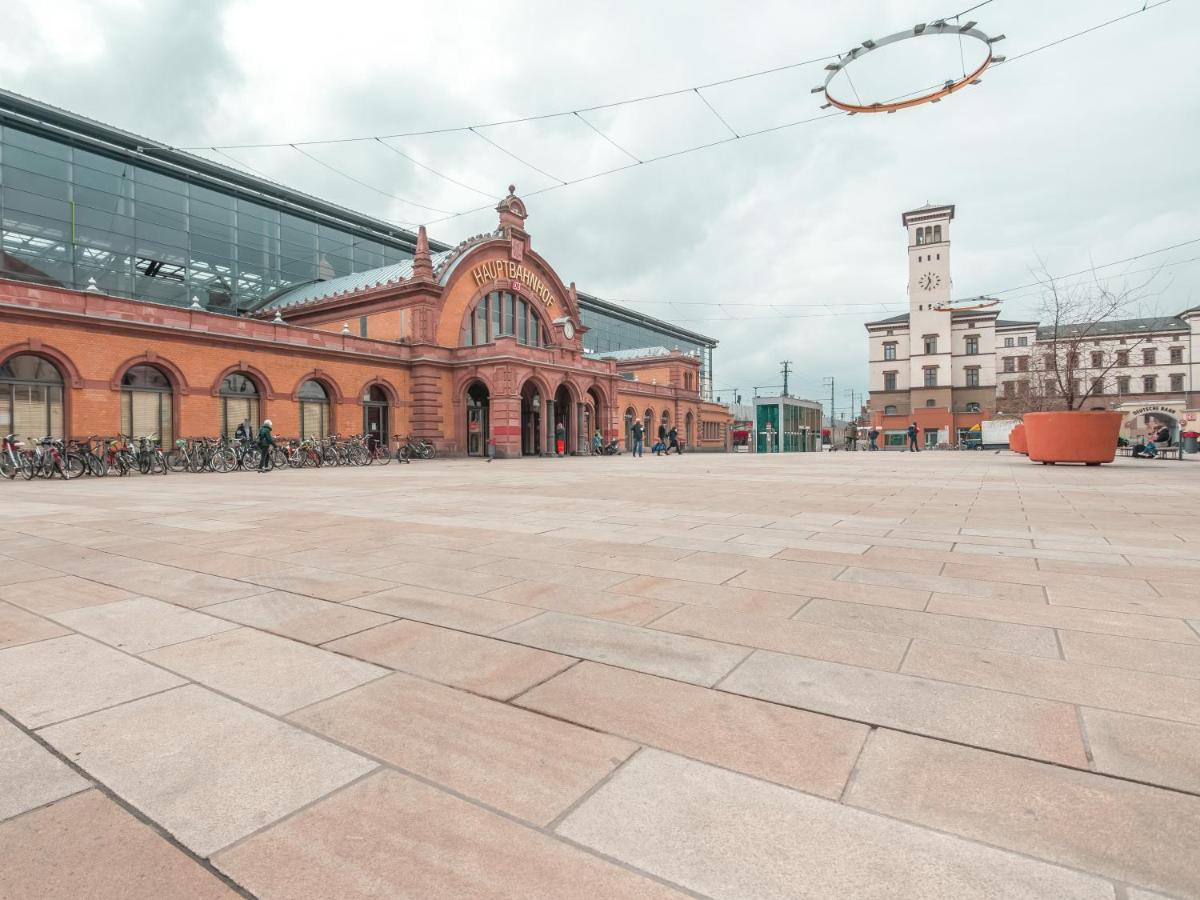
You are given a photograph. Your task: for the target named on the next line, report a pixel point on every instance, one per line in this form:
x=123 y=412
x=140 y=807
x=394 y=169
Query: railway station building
x=147 y=291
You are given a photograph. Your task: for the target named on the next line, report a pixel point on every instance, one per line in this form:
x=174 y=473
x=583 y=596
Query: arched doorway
x=1143 y=421
x=314 y=410
x=477 y=419
x=666 y=421
x=146 y=405
x=630 y=416
x=648 y=427
x=565 y=427
x=376 y=414
x=239 y=403
x=531 y=420
x=688 y=426
x=31 y=398
x=596 y=418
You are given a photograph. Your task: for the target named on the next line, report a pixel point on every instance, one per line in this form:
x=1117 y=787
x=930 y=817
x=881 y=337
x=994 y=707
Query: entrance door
x=477 y=420
x=931 y=438
x=564 y=415
x=531 y=421
x=375 y=414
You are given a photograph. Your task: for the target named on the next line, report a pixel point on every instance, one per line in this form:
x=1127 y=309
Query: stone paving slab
x=579 y=601
x=68 y=676
x=1028 y=726
x=478 y=664
x=390 y=836
x=810 y=752
x=88 y=847
x=30 y=775
x=270 y=672
x=657 y=652
x=727 y=835
x=140 y=623
x=1049 y=812
x=209 y=770
x=527 y=765
x=296 y=616
x=20 y=627
x=1150 y=750
x=53 y=595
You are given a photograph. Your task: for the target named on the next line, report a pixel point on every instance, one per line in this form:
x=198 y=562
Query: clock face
x=568 y=331
x=929 y=281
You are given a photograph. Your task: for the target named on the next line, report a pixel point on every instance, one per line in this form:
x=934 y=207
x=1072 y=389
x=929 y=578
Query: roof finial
x=512 y=190
x=422 y=266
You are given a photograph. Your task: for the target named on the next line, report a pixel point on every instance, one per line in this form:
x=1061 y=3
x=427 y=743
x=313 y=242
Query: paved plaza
x=884 y=675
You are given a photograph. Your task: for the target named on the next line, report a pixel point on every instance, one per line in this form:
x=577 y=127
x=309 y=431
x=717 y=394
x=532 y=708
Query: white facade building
x=949 y=371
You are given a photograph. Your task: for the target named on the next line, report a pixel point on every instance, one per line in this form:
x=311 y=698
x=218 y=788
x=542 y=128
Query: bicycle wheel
x=198 y=462
x=75 y=465
x=8 y=466
x=403 y=453
x=25 y=467
x=177 y=461
x=159 y=465
x=95 y=465
x=428 y=451
x=279 y=459
x=383 y=456
x=251 y=457
x=224 y=460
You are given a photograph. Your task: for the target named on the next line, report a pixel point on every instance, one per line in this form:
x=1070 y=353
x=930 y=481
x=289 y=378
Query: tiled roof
x=901 y=319
x=1117 y=326
x=348 y=284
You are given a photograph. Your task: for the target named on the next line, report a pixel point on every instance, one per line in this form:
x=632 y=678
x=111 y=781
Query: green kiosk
x=786 y=425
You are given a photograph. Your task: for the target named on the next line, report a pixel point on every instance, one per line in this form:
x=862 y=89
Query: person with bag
x=912 y=439
x=266 y=443
x=639 y=435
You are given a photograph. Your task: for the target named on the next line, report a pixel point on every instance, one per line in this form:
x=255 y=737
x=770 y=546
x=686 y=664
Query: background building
x=948 y=371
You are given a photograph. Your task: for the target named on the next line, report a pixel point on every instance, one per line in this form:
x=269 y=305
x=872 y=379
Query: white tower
x=928 y=286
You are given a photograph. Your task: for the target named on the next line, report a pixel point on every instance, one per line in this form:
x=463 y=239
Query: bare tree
x=1072 y=362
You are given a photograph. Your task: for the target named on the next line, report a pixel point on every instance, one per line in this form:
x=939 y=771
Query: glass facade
x=75 y=218
x=608 y=331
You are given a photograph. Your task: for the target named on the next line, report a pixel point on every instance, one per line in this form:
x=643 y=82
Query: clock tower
x=929 y=285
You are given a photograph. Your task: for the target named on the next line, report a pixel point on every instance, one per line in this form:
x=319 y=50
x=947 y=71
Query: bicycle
x=421 y=449
x=12 y=459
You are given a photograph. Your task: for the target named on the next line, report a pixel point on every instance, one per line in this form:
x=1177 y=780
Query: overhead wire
x=431 y=170
x=359 y=181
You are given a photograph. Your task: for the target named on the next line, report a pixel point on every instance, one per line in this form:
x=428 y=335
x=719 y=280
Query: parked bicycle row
x=99 y=457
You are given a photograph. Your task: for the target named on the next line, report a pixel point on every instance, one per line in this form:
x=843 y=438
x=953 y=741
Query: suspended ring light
x=917 y=31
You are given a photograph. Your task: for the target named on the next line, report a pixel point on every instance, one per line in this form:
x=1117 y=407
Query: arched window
x=920 y=236
x=630 y=416
x=889 y=410
x=648 y=425
x=239 y=403
x=503 y=313
x=146 y=405
x=314 y=410
x=31 y=398
x=666 y=420
x=937 y=234
x=928 y=234
x=687 y=429
x=972 y=407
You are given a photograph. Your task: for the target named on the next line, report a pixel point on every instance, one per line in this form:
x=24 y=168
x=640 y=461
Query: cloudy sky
x=779 y=245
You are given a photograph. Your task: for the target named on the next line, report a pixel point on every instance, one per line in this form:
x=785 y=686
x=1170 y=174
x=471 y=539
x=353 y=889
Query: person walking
x=873 y=437
x=639 y=436
x=662 y=433
x=597 y=443
x=673 y=442
x=851 y=437
x=266 y=442
x=912 y=439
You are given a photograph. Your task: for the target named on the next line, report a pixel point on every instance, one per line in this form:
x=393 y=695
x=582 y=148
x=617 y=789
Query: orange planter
x=1078 y=437
x=1016 y=439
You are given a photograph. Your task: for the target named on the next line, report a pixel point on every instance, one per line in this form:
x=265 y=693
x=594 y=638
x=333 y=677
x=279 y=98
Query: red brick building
x=481 y=343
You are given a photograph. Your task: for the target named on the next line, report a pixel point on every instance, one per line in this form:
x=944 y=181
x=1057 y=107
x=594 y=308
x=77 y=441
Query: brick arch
x=325 y=380
x=34 y=347
x=72 y=379
x=520 y=291
x=393 y=396
x=179 y=382
x=265 y=389
x=462 y=382
x=540 y=383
